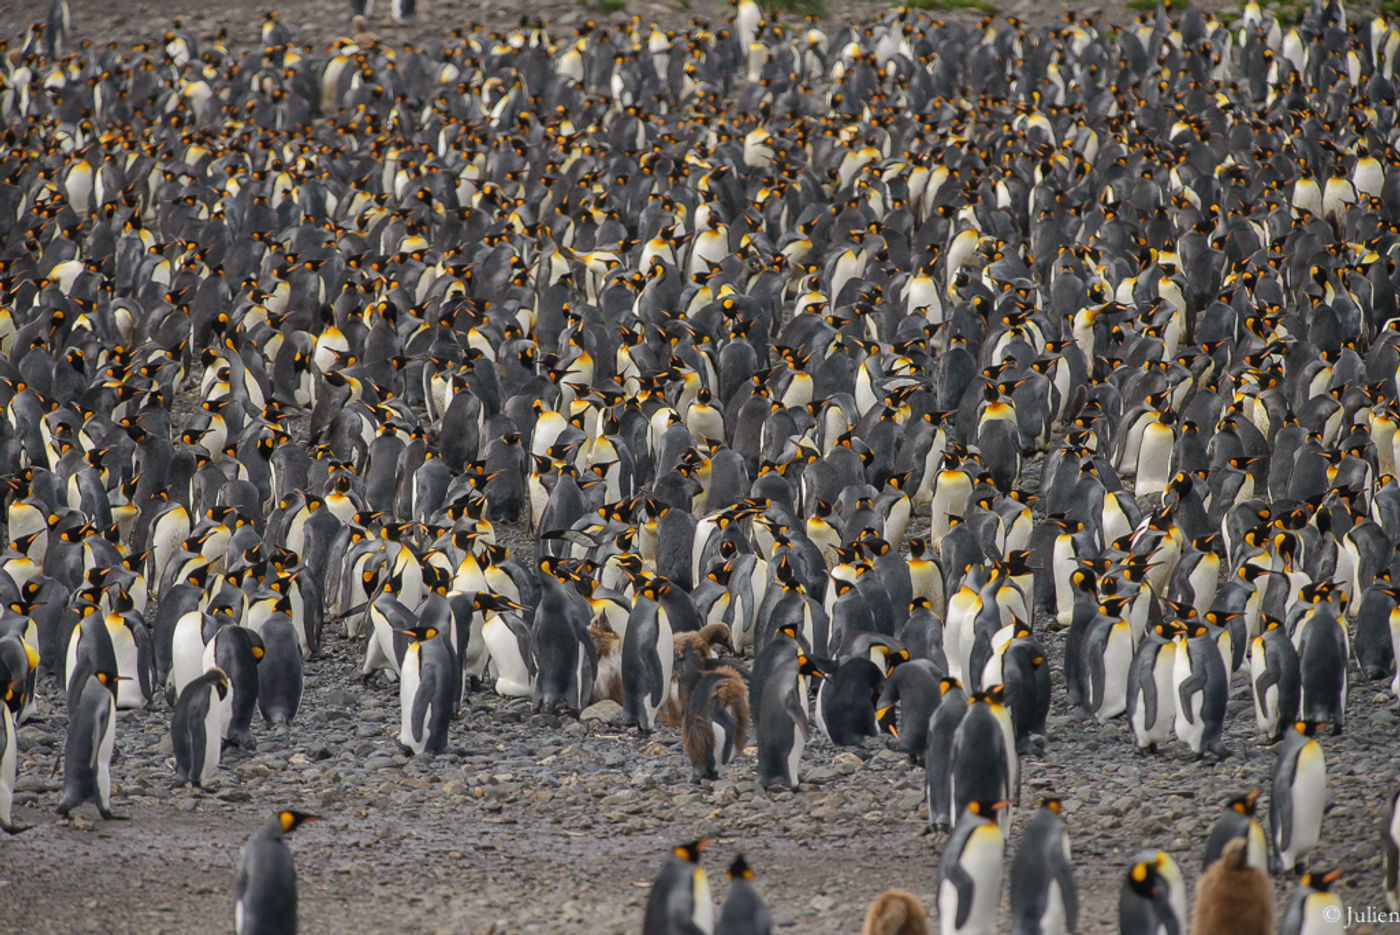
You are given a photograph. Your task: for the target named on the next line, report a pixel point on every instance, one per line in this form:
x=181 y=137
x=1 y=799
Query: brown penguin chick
x=607 y=685
x=1232 y=897
x=716 y=721
x=364 y=37
x=699 y=644
x=895 y=912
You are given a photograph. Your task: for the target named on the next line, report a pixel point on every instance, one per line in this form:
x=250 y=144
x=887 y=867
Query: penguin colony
x=721 y=316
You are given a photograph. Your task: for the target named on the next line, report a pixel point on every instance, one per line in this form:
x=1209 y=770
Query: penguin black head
x=1320 y=882
x=807 y=666
x=1308 y=728
x=1143 y=876
x=691 y=851
x=1244 y=804
x=1054 y=803
x=739 y=869
x=987 y=810
x=291 y=820
x=109 y=680
x=948 y=684
x=420 y=634
x=14 y=696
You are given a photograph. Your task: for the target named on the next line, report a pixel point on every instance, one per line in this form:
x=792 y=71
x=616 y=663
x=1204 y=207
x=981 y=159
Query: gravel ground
x=546 y=824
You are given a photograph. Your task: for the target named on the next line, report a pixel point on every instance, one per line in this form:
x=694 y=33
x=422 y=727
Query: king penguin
x=1152 y=901
x=744 y=912
x=1312 y=909
x=196 y=728
x=895 y=912
x=783 y=725
x=1044 y=900
x=969 y=875
x=1234 y=897
x=87 y=752
x=265 y=889
x=9 y=754
x=428 y=690
x=1237 y=821
x=716 y=721
x=680 y=903
x=648 y=656
x=1299 y=795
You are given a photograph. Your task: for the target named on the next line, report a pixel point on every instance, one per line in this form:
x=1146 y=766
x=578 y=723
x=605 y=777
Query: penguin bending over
x=196 y=728
x=716 y=722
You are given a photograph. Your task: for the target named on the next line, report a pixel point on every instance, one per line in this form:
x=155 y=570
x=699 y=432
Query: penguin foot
x=15 y=829
x=1337 y=729
x=110 y=815
x=1221 y=752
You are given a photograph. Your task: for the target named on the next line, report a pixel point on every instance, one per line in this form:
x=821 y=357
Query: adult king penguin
x=265 y=890
x=680 y=902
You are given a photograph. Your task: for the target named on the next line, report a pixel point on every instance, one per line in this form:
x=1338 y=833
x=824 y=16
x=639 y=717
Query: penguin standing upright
x=1149 y=903
x=1044 y=900
x=938 y=755
x=984 y=763
x=783 y=725
x=237 y=650
x=744 y=912
x=196 y=728
x=1390 y=845
x=1151 y=699
x=1237 y=821
x=648 y=655
x=428 y=690
x=969 y=875
x=10 y=694
x=1234 y=897
x=1200 y=683
x=280 y=676
x=1299 y=795
x=1274 y=679
x=1312 y=909
x=265 y=889
x=679 y=902
x=87 y=752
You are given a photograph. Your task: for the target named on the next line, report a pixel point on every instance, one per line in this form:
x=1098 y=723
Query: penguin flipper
x=1188 y=688
x=962 y=883
x=422 y=700
x=720 y=716
x=1064 y=875
x=796 y=708
x=1149 y=702
x=1281 y=814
